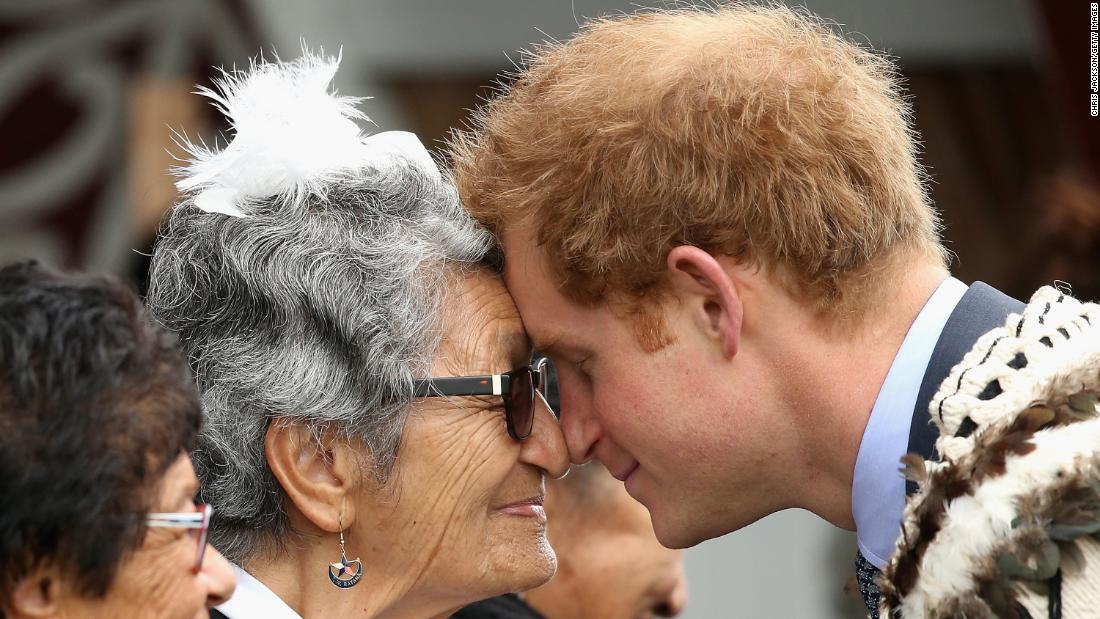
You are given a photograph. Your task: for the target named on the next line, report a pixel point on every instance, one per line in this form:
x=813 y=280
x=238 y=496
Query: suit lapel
x=980 y=310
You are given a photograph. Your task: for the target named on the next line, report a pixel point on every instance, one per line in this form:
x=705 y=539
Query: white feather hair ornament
x=292 y=136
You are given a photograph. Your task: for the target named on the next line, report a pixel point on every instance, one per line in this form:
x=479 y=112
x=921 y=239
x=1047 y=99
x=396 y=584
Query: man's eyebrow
x=560 y=344
x=546 y=344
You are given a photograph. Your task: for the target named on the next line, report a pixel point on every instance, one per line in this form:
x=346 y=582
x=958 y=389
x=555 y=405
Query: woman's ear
x=708 y=292
x=37 y=595
x=318 y=472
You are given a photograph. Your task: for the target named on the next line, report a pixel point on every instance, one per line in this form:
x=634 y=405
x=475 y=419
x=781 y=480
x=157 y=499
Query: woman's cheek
x=160 y=583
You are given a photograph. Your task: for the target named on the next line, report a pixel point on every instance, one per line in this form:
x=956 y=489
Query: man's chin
x=676 y=531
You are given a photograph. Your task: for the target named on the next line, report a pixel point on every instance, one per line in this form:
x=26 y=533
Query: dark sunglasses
x=518 y=388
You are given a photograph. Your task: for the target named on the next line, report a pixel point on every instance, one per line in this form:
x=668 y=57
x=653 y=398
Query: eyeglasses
x=518 y=388
x=199 y=520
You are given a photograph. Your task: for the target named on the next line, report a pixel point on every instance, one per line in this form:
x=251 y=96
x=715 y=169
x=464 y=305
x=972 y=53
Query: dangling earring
x=345 y=573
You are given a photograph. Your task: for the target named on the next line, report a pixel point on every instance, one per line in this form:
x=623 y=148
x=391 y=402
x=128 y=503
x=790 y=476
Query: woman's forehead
x=483 y=328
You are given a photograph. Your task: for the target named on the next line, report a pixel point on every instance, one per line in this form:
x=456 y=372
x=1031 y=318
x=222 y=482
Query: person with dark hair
x=98 y=411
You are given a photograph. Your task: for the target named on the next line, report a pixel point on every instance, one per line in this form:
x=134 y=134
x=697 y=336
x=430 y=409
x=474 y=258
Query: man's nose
x=581 y=431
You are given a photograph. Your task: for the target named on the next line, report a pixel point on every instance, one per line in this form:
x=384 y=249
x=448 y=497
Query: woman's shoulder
x=508 y=606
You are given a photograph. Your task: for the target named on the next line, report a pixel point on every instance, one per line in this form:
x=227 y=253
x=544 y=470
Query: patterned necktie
x=865 y=576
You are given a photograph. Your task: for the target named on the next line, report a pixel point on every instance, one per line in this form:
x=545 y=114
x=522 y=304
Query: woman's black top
x=502 y=607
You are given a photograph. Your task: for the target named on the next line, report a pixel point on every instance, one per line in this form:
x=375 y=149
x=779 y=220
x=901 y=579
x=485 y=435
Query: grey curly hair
x=317 y=308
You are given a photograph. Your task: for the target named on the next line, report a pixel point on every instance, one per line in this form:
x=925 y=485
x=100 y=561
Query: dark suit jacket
x=982 y=309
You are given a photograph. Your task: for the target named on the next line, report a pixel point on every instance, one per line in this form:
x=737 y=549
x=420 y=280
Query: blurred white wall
x=791 y=564
x=389 y=36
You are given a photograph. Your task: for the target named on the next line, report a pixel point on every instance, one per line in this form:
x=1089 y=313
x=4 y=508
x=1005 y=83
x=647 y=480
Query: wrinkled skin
x=442 y=531
x=157 y=580
x=457 y=465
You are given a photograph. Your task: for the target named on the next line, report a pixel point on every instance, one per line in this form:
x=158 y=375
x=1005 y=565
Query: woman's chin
x=547 y=565
x=544 y=566
x=527 y=565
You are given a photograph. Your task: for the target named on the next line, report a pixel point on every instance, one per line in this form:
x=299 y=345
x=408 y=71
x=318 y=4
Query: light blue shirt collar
x=878 y=487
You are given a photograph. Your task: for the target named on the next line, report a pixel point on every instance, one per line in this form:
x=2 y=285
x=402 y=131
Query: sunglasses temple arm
x=488 y=384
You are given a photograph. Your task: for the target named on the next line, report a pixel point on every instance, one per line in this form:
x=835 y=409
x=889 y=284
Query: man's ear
x=318 y=471
x=709 y=294
x=37 y=595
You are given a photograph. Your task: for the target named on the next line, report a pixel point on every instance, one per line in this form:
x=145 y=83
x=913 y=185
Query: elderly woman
x=97 y=412
x=375 y=444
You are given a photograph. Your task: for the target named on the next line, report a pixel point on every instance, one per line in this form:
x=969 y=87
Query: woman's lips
x=530 y=508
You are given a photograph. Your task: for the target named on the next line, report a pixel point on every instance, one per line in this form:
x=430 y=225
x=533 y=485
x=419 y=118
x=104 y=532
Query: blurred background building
x=90 y=91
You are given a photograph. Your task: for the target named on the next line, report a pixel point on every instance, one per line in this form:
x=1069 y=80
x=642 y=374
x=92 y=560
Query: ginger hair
x=750 y=131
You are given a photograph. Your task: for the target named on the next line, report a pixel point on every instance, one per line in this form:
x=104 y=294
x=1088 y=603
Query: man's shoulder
x=1015 y=497
x=980 y=309
x=1013 y=364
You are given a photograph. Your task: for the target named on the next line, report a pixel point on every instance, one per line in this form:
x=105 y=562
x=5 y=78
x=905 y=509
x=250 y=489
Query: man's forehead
x=522 y=253
x=544 y=309
x=527 y=271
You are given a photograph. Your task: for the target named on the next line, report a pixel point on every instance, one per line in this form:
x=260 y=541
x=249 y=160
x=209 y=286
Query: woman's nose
x=545 y=448
x=219 y=577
